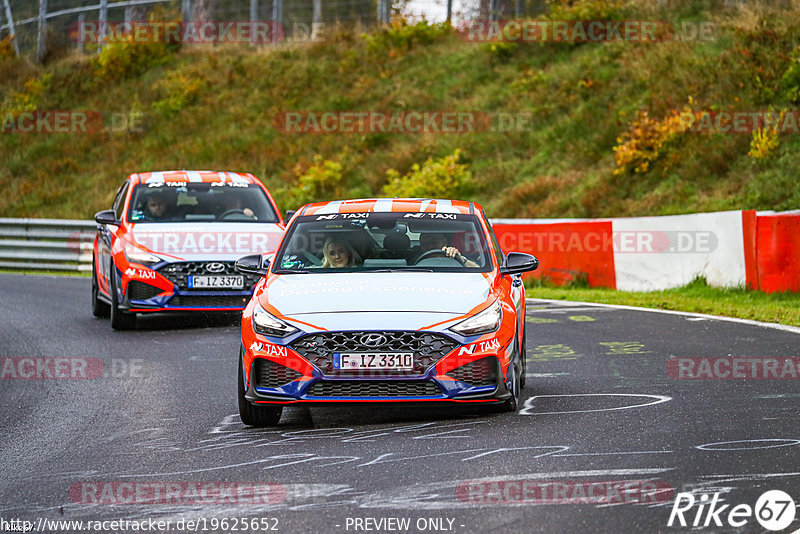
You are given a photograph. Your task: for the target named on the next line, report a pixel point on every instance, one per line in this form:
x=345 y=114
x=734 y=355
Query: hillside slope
x=218 y=107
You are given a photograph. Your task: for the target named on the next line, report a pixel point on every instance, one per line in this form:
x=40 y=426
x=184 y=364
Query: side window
x=119 y=200
x=501 y=256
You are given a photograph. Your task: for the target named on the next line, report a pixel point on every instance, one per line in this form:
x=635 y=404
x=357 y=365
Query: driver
x=438 y=241
x=234 y=203
x=157 y=207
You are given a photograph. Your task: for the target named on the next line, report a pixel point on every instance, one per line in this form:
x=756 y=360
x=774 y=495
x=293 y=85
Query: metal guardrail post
x=40 y=40
x=11 y=30
x=186 y=10
x=316 y=19
x=101 y=24
x=277 y=15
x=253 y=19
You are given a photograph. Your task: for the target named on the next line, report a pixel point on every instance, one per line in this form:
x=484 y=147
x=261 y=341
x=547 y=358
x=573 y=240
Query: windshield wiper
x=293 y=271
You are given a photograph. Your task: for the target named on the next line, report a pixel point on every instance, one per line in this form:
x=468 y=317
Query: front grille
x=374 y=388
x=427 y=348
x=178 y=273
x=141 y=291
x=481 y=372
x=269 y=374
x=213 y=301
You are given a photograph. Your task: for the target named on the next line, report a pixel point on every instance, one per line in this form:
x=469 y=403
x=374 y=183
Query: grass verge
x=698 y=297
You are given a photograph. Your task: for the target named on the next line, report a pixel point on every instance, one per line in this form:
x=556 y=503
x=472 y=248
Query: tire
x=512 y=403
x=120 y=320
x=524 y=357
x=99 y=308
x=253 y=415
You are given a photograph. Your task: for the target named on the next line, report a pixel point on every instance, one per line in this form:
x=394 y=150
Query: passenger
x=338 y=253
x=438 y=241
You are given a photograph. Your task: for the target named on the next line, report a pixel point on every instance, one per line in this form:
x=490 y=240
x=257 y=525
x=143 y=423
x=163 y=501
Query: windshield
x=354 y=242
x=189 y=202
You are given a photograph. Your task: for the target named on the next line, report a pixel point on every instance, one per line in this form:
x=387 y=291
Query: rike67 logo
x=774 y=511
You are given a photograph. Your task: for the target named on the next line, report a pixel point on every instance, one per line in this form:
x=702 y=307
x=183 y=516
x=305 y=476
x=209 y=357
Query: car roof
x=192 y=176
x=391 y=205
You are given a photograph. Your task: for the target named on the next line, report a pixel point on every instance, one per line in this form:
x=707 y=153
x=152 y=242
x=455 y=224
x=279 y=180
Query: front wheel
x=120 y=320
x=512 y=403
x=99 y=308
x=523 y=355
x=251 y=414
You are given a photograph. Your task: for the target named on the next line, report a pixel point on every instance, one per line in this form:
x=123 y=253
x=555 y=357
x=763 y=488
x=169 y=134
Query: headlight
x=269 y=325
x=137 y=255
x=486 y=321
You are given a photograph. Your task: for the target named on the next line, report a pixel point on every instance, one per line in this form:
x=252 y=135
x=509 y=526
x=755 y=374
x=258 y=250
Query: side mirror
x=106 y=217
x=517 y=262
x=289 y=215
x=253 y=264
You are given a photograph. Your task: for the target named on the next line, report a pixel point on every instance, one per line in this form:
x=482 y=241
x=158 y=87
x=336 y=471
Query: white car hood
x=221 y=241
x=339 y=301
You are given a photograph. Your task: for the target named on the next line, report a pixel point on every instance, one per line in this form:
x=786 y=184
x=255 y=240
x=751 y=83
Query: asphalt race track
x=602 y=416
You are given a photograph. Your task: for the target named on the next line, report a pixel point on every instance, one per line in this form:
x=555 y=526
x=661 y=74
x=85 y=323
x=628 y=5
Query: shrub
x=790 y=81
x=179 y=90
x=7 y=48
x=126 y=57
x=402 y=34
x=30 y=99
x=441 y=178
x=637 y=149
x=323 y=180
x=765 y=140
x=585 y=9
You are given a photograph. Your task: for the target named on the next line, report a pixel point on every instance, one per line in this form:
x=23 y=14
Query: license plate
x=219 y=282
x=401 y=361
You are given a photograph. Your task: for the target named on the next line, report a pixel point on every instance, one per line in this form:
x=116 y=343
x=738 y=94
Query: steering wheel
x=430 y=254
x=233 y=212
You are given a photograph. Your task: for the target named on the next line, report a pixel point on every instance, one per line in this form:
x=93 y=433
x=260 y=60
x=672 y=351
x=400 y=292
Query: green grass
x=213 y=108
x=47 y=273
x=698 y=297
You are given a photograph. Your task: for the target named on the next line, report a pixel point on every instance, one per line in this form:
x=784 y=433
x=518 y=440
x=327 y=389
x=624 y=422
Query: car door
x=511 y=285
x=106 y=234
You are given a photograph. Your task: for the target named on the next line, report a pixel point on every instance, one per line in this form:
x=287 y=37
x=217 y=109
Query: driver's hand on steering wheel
x=453 y=252
x=248 y=212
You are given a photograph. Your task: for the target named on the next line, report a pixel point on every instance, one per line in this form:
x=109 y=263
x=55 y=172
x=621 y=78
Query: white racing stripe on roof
x=446 y=206
x=155 y=177
x=382 y=205
x=423 y=206
x=330 y=207
x=193 y=176
x=236 y=178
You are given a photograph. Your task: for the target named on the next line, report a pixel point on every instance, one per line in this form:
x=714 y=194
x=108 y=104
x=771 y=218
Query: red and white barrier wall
x=731 y=248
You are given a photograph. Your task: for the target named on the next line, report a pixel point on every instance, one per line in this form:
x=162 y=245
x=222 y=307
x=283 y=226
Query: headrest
x=396 y=241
